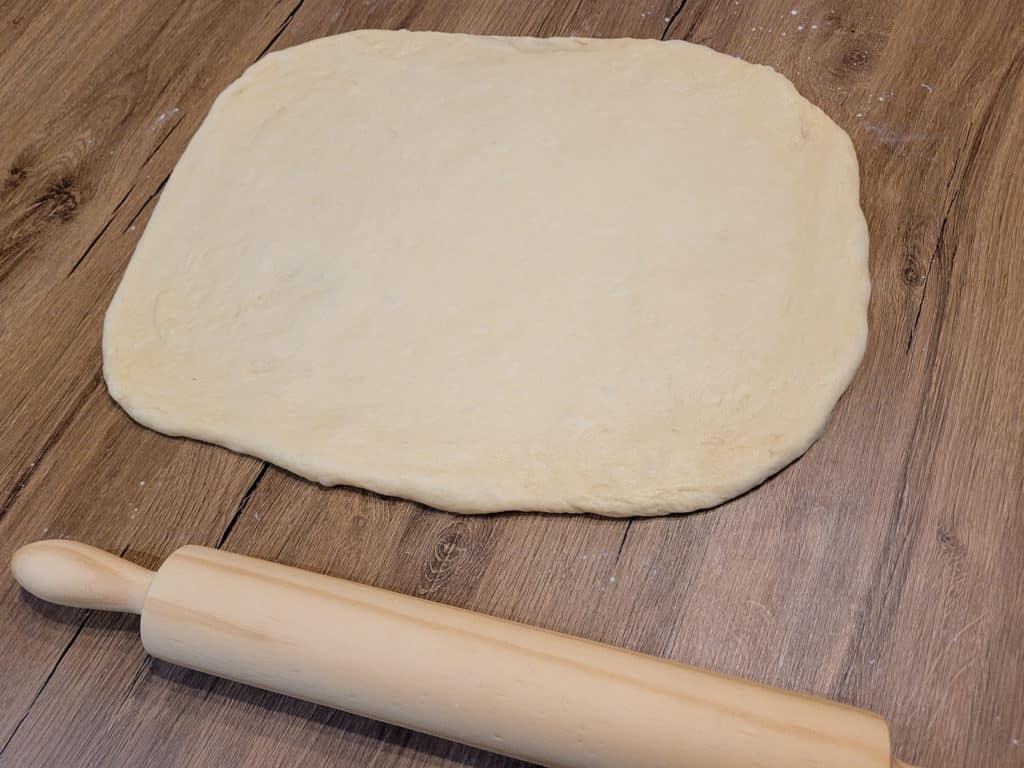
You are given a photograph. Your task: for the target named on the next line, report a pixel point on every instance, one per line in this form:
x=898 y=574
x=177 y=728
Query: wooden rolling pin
x=528 y=693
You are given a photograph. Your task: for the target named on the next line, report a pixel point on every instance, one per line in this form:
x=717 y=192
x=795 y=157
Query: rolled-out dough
x=611 y=276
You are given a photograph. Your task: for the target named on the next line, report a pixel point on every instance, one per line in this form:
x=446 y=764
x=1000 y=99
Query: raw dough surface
x=618 y=276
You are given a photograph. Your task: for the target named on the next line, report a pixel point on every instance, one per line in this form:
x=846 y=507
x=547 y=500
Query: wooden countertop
x=884 y=569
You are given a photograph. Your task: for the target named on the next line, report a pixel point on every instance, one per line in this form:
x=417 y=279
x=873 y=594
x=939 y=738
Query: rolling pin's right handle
x=80 y=576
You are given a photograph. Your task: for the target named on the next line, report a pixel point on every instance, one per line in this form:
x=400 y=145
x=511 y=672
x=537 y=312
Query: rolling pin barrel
x=505 y=687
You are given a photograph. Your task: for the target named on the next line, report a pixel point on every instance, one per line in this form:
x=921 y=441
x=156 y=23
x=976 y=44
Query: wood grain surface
x=884 y=569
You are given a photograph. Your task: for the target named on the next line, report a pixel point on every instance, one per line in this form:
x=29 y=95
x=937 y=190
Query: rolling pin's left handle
x=80 y=576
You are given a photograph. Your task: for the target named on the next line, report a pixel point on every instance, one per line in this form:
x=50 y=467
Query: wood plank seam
x=242 y=504
x=939 y=247
x=26 y=476
x=284 y=545
x=83 y=398
x=281 y=29
x=940 y=240
x=102 y=231
x=890 y=578
x=975 y=143
x=672 y=20
x=137 y=678
x=181 y=116
x=127 y=194
x=156 y=149
x=157 y=191
x=894 y=557
x=46 y=682
x=53 y=670
x=622 y=542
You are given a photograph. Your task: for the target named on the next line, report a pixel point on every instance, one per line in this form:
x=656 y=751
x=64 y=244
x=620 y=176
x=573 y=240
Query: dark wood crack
x=46 y=682
x=134 y=682
x=280 y=29
x=26 y=476
x=164 y=139
x=410 y=14
x=242 y=504
x=971 y=154
x=939 y=246
x=672 y=19
x=149 y=199
x=96 y=239
x=622 y=541
x=890 y=578
x=894 y=560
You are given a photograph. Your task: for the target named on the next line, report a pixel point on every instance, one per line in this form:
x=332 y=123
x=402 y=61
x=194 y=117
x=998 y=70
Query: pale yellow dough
x=615 y=276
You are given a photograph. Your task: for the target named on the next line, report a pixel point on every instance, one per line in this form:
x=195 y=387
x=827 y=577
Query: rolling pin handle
x=77 y=575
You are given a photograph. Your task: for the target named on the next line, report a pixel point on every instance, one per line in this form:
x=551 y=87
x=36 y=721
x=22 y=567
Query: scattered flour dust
x=169 y=113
